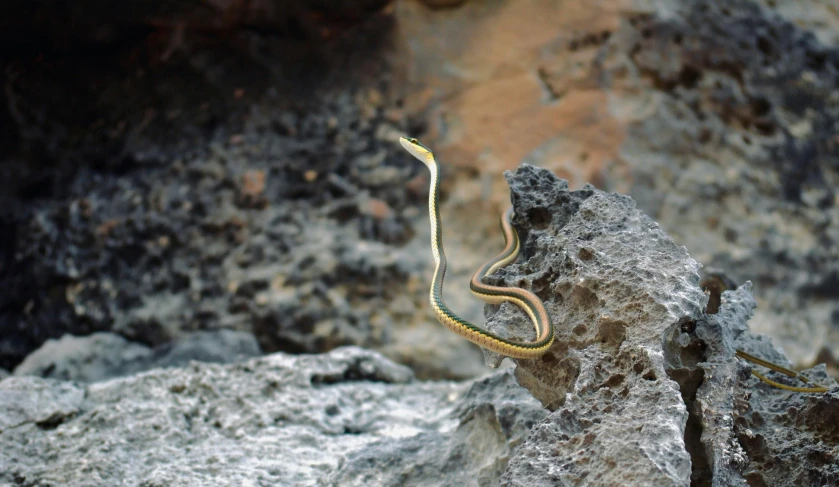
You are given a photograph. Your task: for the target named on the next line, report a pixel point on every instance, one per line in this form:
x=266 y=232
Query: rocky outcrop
x=614 y=284
x=718 y=118
x=350 y=417
x=642 y=382
x=238 y=173
x=642 y=387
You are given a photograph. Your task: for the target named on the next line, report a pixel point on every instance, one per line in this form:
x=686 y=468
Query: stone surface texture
x=749 y=167
x=103 y=356
x=718 y=118
x=614 y=283
x=218 y=179
x=740 y=430
x=641 y=388
x=168 y=194
x=192 y=183
x=350 y=417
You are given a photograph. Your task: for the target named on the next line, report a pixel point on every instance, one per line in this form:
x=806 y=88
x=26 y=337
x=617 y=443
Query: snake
x=783 y=370
x=524 y=299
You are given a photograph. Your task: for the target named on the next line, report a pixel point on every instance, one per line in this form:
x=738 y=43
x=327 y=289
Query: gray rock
x=84 y=358
x=39 y=402
x=788 y=438
x=642 y=380
x=614 y=284
x=699 y=355
x=791 y=439
x=735 y=158
x=491 y=419
x=223 y=237
x=214 y=346
x=3 y=373
x=642 y=388
x=104 y=355
x=741 y=431
x=349 y=417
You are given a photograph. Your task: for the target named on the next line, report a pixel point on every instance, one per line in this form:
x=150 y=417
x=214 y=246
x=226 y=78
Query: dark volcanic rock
x=149 y=161
x=286 y=231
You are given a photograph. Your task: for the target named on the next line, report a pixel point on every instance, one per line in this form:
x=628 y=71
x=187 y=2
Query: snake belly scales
x=522 y=298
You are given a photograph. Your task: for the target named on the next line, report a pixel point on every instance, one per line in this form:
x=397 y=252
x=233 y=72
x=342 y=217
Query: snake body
x=526 y=300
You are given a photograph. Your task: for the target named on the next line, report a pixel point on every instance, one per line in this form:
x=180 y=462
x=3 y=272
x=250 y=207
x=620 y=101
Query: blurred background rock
x=175 y=168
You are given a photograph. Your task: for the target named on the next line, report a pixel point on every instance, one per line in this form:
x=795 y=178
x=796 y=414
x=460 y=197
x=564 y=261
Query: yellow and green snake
x=522 y=298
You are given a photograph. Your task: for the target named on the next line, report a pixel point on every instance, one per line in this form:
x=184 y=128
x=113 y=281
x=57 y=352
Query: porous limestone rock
x=349 y=417
x=699 y=357
x=719 y=118
x=613 y=283
x=742 y=431
x=643 y=381
x=642 y=387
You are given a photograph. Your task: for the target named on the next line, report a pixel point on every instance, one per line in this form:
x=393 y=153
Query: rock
x=3 y=373
x=487 y=423
x=642 y=387
x=718 y=118
x=349 y=417
x=213 y=346
x=699 y=357
x=642 y=382
x=740 y=431
x=104 y=355
x=614 y=284
x=86 y=359
x=39 y=403
x=736 y=157
x=790 y=439
x=307 y=270
x=135 y=208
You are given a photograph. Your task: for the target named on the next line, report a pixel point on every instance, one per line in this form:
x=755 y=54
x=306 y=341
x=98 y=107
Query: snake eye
x=413 y=141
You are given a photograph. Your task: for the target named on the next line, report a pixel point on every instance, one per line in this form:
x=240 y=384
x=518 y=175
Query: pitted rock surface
x=741 y=431
x=651 y=395
x=349 y=417
x=700 y=358
x=614 y=284
x=737 y=157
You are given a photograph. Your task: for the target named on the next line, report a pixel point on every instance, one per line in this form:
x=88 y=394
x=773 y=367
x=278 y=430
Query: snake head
x=416 y=148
